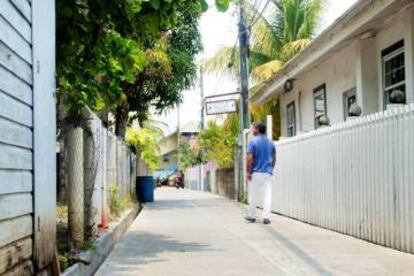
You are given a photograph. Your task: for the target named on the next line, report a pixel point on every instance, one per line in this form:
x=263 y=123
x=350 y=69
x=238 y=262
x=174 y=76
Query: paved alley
x=193 y=233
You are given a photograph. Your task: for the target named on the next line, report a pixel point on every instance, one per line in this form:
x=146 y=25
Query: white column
x=367 y=77
x=269 y=126
x=409 y=55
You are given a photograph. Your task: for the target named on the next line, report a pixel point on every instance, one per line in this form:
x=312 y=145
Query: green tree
x=171 y=68
x=219 y=143
x=125 y=55
x=188 y=156
x=145 y=142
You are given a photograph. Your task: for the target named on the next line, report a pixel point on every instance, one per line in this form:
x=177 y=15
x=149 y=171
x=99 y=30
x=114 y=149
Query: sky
x=217 y=30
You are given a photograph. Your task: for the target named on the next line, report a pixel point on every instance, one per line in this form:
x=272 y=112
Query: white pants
x=260 y=185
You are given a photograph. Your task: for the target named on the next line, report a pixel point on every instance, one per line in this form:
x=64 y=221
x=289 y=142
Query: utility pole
x=244 y=37
x=178 y=136
x=201 y=166
x=202 y=97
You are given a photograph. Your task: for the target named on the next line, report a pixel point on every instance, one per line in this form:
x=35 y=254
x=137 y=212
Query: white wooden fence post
x=269 y=126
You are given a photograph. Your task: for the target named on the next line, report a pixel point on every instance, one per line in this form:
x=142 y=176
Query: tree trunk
x=121 y=119
x=75 y=182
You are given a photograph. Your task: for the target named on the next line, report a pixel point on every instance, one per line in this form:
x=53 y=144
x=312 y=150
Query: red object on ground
x=104 y=218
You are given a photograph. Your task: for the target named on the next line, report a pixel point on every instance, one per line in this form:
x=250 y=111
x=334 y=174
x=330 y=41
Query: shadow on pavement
x=296 y=250
x=180 y=203
x=140 y=248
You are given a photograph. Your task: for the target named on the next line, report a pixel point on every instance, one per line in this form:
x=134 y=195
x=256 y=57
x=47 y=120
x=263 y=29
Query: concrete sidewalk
x=192 y=233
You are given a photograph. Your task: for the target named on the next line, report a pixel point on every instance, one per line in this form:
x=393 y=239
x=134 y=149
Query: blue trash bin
x=145 y=189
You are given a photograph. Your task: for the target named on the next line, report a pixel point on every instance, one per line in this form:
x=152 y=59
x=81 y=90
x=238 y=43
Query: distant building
x=168 y=147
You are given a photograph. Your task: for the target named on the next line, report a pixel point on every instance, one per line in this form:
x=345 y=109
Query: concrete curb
x=104 y=245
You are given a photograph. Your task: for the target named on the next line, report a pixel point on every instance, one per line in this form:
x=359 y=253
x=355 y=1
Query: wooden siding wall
x=16 y=137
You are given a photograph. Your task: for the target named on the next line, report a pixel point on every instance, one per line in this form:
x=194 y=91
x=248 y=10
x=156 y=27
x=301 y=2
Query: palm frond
x=264 y=35
x=277 y=35
x=263 y=72
x=223 y=62
x=257 y=59
x=310 y=25
x=293 y=48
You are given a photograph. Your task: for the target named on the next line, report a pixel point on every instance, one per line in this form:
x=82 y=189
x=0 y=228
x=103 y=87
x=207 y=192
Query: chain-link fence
x=96 y=163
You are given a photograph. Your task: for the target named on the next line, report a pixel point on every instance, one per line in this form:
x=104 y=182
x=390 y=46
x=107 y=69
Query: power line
x=256 y=19
x=233 y=52
x=256 y=6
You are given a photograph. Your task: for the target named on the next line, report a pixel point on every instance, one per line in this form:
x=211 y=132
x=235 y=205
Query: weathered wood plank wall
x=16 y=137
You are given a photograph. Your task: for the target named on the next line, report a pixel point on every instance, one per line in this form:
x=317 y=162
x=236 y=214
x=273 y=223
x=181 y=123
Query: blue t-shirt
x=263 y=150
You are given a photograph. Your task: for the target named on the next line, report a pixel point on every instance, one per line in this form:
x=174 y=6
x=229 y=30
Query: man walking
x=261 y=159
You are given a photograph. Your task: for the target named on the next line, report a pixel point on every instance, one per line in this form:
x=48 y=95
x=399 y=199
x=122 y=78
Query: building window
x=319 y=103
x=393 y=66
x=348 y=100
x=291 y=119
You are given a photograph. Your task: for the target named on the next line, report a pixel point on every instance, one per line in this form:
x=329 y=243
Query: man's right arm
x=274 y=157
x=249 y=166
x=249 y=161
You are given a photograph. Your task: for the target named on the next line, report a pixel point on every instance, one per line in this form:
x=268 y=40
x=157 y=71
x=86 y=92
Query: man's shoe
x=249 y=219
x=266 y=221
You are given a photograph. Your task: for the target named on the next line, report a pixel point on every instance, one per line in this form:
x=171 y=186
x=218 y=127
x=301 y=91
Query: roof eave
x=333 y=36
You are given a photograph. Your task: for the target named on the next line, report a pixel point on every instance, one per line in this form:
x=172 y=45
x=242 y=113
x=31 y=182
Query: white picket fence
x=356 y=178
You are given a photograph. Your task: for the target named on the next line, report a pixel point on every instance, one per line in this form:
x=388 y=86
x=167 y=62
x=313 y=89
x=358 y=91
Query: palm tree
x=278 y=34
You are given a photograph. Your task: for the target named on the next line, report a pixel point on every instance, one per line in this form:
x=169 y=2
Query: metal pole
x=178 y=136
x=202 y=97
x=244 y=95
x=201 y=173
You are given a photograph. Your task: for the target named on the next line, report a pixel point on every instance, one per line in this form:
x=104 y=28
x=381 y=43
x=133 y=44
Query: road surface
x=192 y=233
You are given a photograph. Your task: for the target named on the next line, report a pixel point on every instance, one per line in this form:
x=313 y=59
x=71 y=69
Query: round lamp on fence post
x=355 y=110
x=397 y=97
x=324 y=121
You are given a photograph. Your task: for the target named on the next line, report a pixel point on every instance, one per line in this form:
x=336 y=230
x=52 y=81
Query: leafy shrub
x=116 y=204
x=189 y=156
x=219 y=143
x=145 y=141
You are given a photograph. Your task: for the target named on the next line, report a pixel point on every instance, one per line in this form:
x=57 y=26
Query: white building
x=365 y=55
x=356 y=176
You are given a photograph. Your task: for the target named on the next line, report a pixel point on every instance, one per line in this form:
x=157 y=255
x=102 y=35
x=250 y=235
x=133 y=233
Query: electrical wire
x=260 y=15
x=256 y=6
x=255 y=19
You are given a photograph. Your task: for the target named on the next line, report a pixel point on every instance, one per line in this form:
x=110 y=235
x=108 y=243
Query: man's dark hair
x=260 y=127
